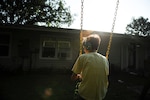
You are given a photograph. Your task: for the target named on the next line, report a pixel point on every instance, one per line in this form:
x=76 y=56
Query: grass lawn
x=31 y=86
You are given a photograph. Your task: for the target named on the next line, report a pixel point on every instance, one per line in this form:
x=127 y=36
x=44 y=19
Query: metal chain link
x=82 y=6
x=111 y=34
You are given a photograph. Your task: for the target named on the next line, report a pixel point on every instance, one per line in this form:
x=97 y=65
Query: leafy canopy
x=28 y=12
x=139 y=27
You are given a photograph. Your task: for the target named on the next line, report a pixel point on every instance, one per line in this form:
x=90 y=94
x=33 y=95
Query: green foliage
x=139 y=27
x=28 y=12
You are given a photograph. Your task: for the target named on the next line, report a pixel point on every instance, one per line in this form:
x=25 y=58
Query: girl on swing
x=92 y=69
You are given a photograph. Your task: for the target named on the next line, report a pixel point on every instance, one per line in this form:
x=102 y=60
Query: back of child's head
x=92 y=42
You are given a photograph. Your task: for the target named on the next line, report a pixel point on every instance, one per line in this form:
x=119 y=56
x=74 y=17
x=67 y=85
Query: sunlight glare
x=98 y=14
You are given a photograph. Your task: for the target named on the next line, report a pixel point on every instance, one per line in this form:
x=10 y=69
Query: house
x=34 y=47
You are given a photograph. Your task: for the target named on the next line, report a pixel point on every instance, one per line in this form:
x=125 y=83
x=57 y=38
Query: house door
x=24 y=54
x=132 y=56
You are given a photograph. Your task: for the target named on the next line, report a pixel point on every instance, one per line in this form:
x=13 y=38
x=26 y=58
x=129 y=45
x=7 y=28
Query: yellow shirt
x=94 y=69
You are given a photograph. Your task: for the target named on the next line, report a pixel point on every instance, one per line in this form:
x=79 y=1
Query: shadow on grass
x=58 y=86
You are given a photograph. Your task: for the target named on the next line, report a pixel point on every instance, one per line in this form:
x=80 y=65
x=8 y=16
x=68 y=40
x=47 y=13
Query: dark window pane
x=48 y=52
x=4 y=39
x=4 y=50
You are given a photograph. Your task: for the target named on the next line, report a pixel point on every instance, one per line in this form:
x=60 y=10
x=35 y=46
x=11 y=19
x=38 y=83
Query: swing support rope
x=111 y=34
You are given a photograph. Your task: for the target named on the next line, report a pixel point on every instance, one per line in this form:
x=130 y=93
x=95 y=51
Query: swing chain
x=82 y=1
x=115 y=15
x=111 y=34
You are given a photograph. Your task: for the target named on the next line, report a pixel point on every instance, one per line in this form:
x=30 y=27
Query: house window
x=4 y=45
x=64 y=49
x=56 y=48
x=48 y=49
